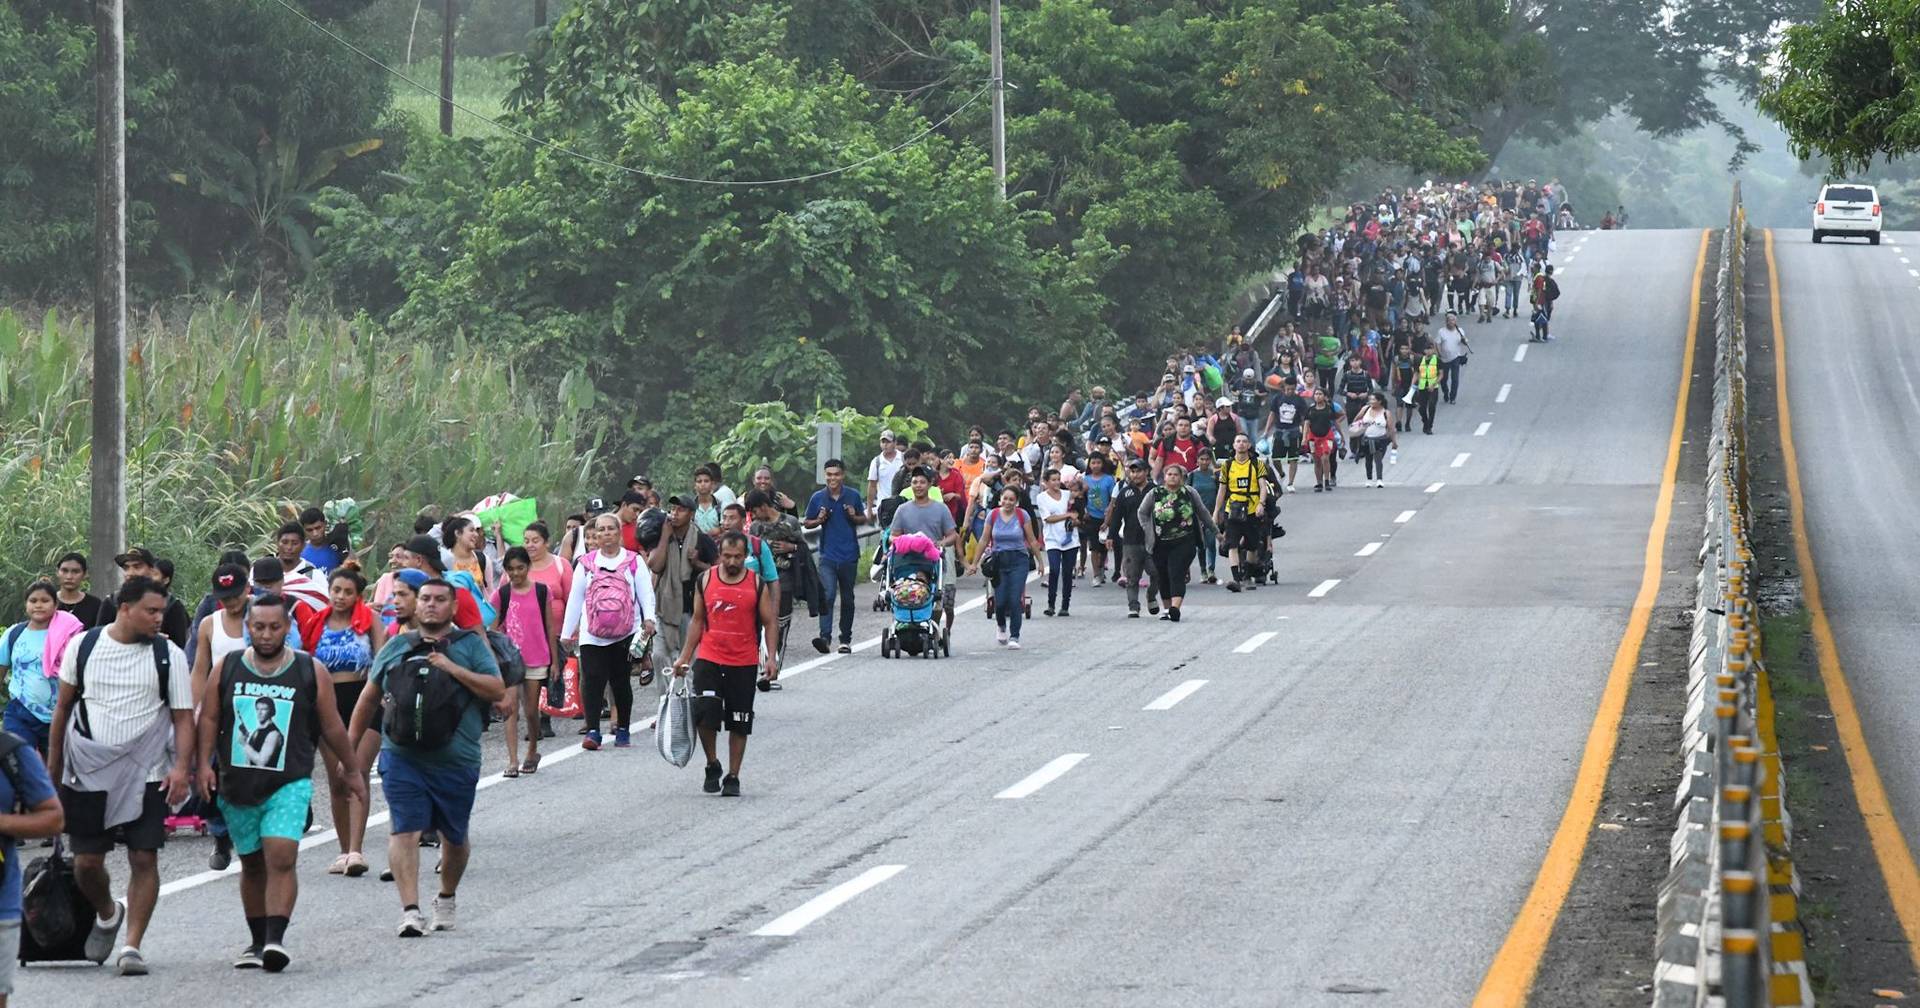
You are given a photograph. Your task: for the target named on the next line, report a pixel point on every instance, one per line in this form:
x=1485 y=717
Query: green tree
x=1847 y=87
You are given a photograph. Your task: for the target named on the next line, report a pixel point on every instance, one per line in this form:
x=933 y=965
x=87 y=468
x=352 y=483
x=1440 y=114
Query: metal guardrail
x=1728 y=919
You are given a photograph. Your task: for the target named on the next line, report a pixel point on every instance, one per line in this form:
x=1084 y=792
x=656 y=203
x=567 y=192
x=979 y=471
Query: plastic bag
x=567 y=704
x=673 y=726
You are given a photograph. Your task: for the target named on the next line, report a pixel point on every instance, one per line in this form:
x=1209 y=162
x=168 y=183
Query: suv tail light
x=1876 y=209
x=1820 y=207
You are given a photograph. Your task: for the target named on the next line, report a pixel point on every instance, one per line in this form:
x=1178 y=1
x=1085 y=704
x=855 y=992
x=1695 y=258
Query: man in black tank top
x=268 y=708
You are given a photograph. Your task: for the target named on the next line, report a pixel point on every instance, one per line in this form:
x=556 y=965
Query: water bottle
x=1393 y=455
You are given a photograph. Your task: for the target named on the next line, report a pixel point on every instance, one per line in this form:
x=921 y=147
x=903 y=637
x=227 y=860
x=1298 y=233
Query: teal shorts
x=282 y=816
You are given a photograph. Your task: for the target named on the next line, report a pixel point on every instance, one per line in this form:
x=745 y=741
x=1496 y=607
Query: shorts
x=1287 y=448
x=1318 y=446
x=9 y=954
x=346 y=696
x=87 y=814
x=537 y=673
x=421 y=798
x=1243 y=534
x=1090 y=529
x=723 y=693
x=283 y=816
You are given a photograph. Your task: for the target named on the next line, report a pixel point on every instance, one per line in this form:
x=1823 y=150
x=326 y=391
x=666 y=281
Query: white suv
x=1847 y=209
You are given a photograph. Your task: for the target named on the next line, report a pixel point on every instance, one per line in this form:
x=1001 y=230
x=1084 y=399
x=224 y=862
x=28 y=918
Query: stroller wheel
x=886 y=644
x=879 y=603
x=946 y=644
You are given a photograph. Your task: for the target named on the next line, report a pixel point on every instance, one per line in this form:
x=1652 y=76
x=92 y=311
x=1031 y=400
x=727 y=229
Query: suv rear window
x=1849 y=194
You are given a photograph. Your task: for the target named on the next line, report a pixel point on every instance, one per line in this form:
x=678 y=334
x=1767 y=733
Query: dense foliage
x=233 y=421
x=1847 y=85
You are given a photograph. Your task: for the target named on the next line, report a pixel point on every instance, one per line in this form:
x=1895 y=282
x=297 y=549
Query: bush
x=234 y=421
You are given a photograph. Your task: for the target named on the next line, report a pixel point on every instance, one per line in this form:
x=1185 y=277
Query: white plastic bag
x=673 y=727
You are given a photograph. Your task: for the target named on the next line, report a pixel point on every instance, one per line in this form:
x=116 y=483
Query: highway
x=1343 y=784
x=1853 y=381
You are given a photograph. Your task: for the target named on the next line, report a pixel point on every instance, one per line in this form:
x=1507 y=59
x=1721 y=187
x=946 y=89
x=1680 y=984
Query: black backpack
x=422 y=705
x=55 y=913
x=162 y=663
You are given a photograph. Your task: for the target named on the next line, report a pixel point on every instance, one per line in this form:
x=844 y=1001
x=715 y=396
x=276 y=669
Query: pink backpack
x=609 y=601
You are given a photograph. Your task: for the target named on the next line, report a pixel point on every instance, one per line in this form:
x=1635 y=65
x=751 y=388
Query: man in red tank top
x=735 y=622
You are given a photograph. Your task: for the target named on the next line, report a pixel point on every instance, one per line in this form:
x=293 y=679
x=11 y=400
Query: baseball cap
x=642 y=480
x=1189 y=369
x=230 y=580
x=1137 y=464
x=886 y=435
x=428 y=547
x=1167 y=377
x=138 y=554
x=680 y=501
x=267 y=570
x=1223 y=402
x=1248 y=373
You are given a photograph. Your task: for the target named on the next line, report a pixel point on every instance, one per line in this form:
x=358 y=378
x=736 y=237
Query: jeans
x=1060 y=576
x=1009 y=586
x=604 y=667
x=1450 y=377
x=20 y=721
x=1135 y=568
x=1172 y=562
x=1426 y=399
x=836 y=581
x=1209 y=551
x=1513 y=296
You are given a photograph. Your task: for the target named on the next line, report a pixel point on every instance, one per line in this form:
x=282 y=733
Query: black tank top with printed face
x=269 y=726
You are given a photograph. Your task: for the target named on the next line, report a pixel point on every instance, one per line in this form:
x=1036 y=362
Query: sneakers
x=1013 y=645
x=413 y=924
x=1234 y=586
x=1173 y=613
x=249 y=958
x=130 y=962
x=100 y=940
x=1001 y=637
x=443 y=913
x=1152 y=606
x=821 y=645
x=592 y=741
x=1133 y=614
x=846 y=649
x=222 y=855
x=621 y=740
x=274 y=957
x=712 y=783
x=729 y=786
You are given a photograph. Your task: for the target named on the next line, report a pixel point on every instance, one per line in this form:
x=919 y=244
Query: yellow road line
x=1889 y=843
x=1511 y=975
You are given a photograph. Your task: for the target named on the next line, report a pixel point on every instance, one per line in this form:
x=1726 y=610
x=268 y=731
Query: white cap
x=1223 y=402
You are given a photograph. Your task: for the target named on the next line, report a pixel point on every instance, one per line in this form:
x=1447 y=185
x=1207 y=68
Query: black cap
x=680 y=501
x=230 y=580
x=268 y=570
x=138 y=554
x=1137 y=464
x=428 y=547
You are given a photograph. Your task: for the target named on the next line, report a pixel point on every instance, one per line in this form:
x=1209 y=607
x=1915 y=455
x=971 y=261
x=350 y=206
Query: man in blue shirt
x=835 y=511
x=430 y=788
x=323 y=555
x=24 y=785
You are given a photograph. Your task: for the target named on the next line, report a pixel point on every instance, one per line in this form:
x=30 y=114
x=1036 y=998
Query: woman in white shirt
x=604 y=633
x=1060 y=528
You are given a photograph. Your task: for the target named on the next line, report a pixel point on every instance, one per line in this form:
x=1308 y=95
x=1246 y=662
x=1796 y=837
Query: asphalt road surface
x=1340 y=784
x=1853 y=383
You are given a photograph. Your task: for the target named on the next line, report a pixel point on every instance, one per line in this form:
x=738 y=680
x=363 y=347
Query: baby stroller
x=913 y=592
x=1261 y=569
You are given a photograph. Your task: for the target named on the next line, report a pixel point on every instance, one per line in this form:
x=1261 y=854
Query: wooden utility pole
x=108 y=533
x=999 y=105
x=539 y=13
x=447 y=15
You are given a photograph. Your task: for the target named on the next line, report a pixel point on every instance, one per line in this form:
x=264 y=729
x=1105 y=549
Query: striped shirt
x=123 y=689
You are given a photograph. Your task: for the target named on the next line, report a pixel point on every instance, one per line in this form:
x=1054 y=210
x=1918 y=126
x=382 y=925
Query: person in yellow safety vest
x=1239 y=508
x=1426 y=385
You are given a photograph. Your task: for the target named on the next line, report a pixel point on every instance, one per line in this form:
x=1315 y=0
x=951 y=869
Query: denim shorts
x=421 y=798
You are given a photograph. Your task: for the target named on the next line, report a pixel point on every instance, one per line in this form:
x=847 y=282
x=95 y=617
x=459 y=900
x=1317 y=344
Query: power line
x=590 y=159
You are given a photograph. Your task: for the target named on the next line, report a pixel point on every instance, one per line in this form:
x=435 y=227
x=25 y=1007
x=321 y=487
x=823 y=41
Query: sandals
x=339 y=866
x=356 y=865
x=531 y=766
x=510 y=771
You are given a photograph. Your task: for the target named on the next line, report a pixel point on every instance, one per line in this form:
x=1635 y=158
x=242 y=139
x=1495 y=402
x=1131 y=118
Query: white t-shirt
x=882 y=469
x=1451 y=342
x=1057 y=535
x=638 y=577
x=123 y=689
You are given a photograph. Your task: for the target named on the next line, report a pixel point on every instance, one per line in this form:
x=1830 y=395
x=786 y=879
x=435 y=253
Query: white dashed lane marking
x=1042 y=777
x=1404 y=517
x=1320 y=590
x=1435 y=488
x=789 y=924
x=1481 y=431
x=1252 y=644
x=1369 y=549
x=1173 y=696
x=1519 y=353
x=1461 y=459
x=1505 y=390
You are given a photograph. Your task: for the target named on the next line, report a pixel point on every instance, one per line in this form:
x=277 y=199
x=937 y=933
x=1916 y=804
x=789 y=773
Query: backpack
x=422 y=705
x=162 y=662
x=609 y=599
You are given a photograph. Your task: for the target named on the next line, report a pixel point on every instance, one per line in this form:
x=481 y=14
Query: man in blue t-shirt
x=430 y=789
x=24 y=785
x=323 y=555
x=835 y=511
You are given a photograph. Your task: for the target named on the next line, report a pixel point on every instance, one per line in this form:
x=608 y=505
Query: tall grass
x=480 y=83
x=235 y=421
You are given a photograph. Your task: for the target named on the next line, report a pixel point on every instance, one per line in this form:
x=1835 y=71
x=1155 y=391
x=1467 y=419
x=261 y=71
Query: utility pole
x=539 y=13
x=999 y=105
x=447 y=14
x=107 y=536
